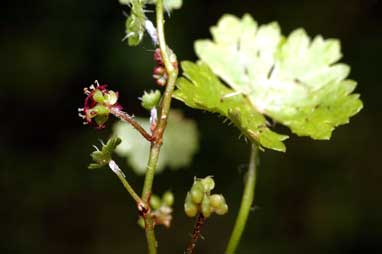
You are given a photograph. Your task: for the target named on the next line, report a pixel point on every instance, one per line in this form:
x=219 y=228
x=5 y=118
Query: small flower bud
x=100 y=120
x=206 y=207
x=222 y=210
x=197 y=192
x=161 y=81
x=158 y=56
x=208 y=183
x=111 y=98
x=159 y=70
x=141 y=222
x=168 y=198
x=98 y=96
x=150 y=99
x=191 y=210
x=100 y=110
x=189 y=207
x=155 y=202
x=160 y=75
x=217 y=200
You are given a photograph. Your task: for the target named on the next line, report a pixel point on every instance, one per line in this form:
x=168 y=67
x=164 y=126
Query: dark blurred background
x=318 y=197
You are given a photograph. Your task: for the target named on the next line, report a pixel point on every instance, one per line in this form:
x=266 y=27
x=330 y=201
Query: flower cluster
x=98 y=103
x=161 y=209
x=200 y=200
x=159 y=73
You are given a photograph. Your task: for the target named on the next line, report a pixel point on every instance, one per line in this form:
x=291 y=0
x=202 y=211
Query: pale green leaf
x=200 y=88
x=179 y=145
x=295 y=80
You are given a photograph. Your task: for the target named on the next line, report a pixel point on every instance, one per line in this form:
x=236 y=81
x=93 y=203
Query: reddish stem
x=195 y=234
x=127 y=118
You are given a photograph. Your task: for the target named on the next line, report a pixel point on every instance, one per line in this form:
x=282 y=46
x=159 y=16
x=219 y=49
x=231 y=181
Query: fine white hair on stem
x=152 y=31
x=153 y=116
x=231 y=95
x=114 y=167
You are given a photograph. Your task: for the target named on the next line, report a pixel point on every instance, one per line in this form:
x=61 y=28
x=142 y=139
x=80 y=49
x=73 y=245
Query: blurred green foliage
x=180 y=144
x=319 y=197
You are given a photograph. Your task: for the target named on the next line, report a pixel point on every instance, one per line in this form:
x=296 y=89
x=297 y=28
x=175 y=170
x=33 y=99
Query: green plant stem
x=146 y=193
x=246 y=203
x=130 y=189
x=172 y=73
x=171 y=70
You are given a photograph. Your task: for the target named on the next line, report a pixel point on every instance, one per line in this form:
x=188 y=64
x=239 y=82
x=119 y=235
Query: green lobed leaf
x=295 y=80
x=180 y=143
x=200 y=88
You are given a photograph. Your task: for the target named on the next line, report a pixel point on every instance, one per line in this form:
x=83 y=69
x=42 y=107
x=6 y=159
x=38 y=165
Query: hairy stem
x=246 y=203
x=115 y=168
x=130 y=190
x=172 y=73
x=127 y=118
x=156 y=143
x=195 y=234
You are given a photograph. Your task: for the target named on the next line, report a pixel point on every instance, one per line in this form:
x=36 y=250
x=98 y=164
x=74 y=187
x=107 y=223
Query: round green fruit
x=206 y=207
x=222 y=210
x=155 y=202
x=217 y=200
x=197 y=192
x=168 y=198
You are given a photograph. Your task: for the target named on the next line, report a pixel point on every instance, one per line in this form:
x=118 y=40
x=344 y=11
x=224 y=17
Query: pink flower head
x=97 y=105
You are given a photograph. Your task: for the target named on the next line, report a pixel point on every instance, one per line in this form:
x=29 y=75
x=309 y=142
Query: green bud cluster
x=102 y=156
x=106 y=98
x=167 y=200
x=150 y=99
x=200 y=200
x=160 y=209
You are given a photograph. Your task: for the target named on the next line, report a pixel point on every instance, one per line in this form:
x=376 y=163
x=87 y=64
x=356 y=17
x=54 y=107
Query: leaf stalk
x=246 y=203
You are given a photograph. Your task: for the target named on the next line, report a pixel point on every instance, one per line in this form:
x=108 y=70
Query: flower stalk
x=195 y=233
x=115 y=168
x=129 y=119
